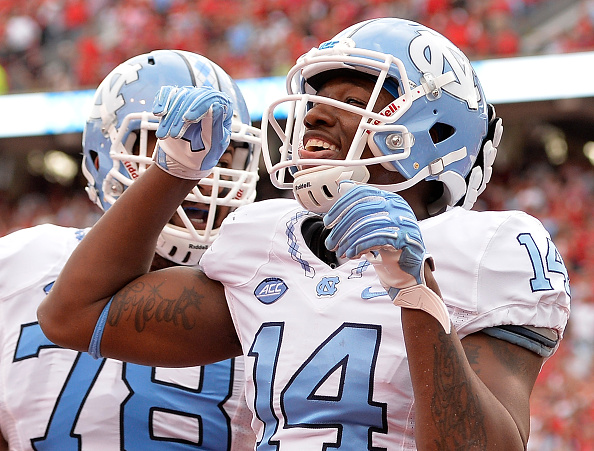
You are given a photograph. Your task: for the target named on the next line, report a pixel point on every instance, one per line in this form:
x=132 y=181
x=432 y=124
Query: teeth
x=315 y=144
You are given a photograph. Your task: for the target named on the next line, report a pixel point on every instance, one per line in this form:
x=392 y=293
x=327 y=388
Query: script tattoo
x=145 y=304
x=453 y=394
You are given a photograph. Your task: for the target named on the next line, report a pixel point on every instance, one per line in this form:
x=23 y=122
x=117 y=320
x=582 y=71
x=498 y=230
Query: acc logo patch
x=270 y=290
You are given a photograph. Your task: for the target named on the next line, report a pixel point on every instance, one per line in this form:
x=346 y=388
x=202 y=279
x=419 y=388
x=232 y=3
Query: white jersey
x=326 y=364
x=59 y=399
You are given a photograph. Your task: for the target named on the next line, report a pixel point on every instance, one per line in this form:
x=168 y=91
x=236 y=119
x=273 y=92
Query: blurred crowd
x=561 y=197
x=49 y=45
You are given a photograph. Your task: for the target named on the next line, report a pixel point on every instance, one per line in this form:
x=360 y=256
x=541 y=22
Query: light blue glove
x=194 y=130
x=382 y=227
x=365 y=219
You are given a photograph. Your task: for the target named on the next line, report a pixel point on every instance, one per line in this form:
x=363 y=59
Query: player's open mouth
x=198 y=217
x=317 y=148
x=315 y=144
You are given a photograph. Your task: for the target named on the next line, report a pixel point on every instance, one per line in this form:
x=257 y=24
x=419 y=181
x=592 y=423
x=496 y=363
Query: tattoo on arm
x=472 y=354
x=145 y=303
x=510 y=356
x=464 y=430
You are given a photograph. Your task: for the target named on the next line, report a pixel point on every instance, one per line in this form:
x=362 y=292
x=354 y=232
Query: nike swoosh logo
x=368 y=294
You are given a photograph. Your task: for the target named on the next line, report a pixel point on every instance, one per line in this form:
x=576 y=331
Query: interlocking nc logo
x=327 y=286
x=433 y=53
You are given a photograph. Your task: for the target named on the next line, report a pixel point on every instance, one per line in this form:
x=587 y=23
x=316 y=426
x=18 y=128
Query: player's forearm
x=118 y=249
x=453 y=408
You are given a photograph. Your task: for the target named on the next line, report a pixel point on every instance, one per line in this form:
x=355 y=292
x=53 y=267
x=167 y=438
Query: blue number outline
x=364 y=341
x=553 y=259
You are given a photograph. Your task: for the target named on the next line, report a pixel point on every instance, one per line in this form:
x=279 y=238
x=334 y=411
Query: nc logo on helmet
x=108 y=98
x=270 y=290
x=430 y=52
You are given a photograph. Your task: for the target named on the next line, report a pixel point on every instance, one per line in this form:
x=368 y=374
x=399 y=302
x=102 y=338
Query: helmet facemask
x=222 y=192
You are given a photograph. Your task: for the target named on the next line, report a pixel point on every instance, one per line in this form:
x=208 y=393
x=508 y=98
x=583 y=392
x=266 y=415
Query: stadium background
x=533 y=57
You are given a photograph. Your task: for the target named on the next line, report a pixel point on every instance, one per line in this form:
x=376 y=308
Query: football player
x=60 y=399
x=375 y=311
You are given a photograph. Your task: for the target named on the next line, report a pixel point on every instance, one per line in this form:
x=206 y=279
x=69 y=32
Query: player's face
x=197 y=212
x=330 y=131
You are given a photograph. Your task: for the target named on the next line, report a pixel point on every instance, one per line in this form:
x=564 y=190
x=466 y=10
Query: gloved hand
x=194 y=130
x=382 y=227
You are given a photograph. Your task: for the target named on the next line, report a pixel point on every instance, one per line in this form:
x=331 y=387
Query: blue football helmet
x=115 y=150
x=435 y=128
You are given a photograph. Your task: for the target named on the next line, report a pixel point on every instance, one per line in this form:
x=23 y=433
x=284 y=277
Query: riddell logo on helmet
x=388 y=111
x=303 y=186
x=239 y=194
x=198 y=246
x=131 y=170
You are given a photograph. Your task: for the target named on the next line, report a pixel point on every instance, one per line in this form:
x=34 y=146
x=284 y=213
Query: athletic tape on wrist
x=422 y=297
x=173 y=167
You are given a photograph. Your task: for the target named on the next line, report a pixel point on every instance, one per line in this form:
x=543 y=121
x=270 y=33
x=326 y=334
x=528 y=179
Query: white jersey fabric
x=58 y=399
x=325 y=359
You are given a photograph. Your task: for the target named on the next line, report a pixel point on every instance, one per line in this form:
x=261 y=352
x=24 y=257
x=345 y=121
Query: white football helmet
x=115 y=149
x=439 y=127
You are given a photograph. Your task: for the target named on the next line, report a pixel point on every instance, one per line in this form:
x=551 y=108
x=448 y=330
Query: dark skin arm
x=171 y=317
x=3 y=443
x=471 y=394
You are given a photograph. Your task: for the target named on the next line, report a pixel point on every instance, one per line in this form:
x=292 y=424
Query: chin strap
x=481 y=173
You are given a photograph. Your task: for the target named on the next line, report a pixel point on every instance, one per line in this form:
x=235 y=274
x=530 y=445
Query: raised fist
x=194 y=130
x=382 y=227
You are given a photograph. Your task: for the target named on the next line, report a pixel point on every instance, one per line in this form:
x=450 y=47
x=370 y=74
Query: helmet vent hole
x=313 y=199
x=172 y=251
x=187 y=258
x=94 y=158
x=440 y=132
x=151 y=60
x=327 y=192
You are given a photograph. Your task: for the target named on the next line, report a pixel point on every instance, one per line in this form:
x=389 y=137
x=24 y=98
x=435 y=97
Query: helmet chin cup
x=316 y=188
x=174 y=245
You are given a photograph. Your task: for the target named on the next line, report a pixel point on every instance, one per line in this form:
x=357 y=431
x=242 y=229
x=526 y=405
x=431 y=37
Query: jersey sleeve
x=502 y=268
x=28 y=255
x=245 y=242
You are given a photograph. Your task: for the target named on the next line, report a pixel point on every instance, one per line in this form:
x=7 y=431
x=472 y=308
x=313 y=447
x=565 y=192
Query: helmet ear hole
x=94 y=158
x=440 y=132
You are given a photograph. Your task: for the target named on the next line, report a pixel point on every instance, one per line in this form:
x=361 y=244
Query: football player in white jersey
x=367 y=319
x=59 y=399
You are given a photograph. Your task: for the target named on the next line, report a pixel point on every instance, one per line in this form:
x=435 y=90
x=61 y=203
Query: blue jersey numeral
x=554 y=263
x=148 y=397
x=335 y=382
